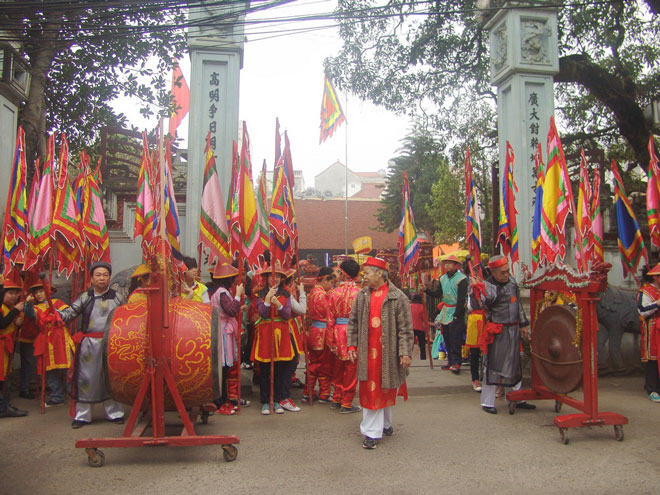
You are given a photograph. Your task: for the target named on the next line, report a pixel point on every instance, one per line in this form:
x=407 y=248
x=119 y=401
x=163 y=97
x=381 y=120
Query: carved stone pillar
x=215 y=39
x=523 y=62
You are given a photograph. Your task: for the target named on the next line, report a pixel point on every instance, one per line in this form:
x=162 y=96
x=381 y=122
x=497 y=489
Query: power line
x=230 y=18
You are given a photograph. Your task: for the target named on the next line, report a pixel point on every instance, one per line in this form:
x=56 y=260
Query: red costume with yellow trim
x=345 y=371
x=7 y=339
x=54 y=341
x=262 y=349
x=650 y=333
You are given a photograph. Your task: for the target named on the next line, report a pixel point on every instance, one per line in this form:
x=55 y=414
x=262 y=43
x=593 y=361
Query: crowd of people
x=355 y=328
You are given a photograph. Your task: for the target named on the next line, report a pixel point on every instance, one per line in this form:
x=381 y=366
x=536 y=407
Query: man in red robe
x=380 y=337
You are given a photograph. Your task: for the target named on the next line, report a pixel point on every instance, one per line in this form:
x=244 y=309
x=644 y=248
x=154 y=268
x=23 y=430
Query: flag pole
x=346 y=184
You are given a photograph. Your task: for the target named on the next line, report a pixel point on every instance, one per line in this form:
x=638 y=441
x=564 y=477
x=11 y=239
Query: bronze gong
x=556 y=356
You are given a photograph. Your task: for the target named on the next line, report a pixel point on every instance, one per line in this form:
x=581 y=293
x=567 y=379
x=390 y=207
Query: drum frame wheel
x=559 y=278
x=158 y=375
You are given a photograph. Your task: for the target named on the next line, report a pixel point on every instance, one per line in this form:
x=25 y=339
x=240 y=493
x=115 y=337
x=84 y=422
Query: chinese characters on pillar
x=214 y=102
x=534 y=120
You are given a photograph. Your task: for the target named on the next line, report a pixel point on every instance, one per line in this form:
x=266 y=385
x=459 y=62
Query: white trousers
x=488 y=393
x=113 y=410
x=374 y=421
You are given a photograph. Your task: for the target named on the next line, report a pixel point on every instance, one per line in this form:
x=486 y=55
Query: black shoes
x=78 y=424
x=12 y=412
x=388 y=431
x=119 y=421
x=369 y=443
x=489 y=409
x=349 y=410
x=53 y=403
x=297 y=384
x=525 y=405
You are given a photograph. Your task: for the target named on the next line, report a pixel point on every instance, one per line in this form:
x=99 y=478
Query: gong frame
x=585 y=287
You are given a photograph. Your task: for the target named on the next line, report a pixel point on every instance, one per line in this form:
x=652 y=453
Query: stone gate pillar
x=523 y=62
x=216 y=40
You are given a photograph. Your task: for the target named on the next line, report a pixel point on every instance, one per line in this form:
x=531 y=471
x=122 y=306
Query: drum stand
x=585 y=287
x=158 y=374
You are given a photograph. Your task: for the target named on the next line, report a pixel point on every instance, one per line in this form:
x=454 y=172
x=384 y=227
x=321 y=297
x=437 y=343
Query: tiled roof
x=321 y=223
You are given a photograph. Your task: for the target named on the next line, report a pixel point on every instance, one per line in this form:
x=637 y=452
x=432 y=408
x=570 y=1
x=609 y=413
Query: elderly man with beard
x=380 y=337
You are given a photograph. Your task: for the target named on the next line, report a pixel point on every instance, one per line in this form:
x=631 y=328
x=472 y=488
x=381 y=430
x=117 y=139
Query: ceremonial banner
x=278 y=141
x=263 y=209
x=288 y=163
x=146 y=218
x=472 y=214
x=331 y=113
x=653 y=196
x=537 y=238
x=583 y=214
x=631 y=244
x=181 y=99
x=65 y=229
x=213 y=228
x=407 y=240
x=233 y=206
x=507 y=231
x=41 y=217
x=15 y=225
x=282 y=216
x=169 y=203
x=247 y=208
x=94 y=230
x=596 y=252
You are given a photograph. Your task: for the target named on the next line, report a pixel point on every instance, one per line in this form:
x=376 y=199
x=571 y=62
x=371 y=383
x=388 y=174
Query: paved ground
x=443 y=442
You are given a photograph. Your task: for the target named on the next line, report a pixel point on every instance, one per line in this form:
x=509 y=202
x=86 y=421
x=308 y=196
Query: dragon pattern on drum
x=191 y=346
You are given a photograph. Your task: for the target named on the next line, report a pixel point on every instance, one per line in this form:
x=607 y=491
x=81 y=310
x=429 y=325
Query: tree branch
x=617 y=94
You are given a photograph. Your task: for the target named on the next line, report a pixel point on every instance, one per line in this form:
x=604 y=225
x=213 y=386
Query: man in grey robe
x=500 y=296
x=90 y=383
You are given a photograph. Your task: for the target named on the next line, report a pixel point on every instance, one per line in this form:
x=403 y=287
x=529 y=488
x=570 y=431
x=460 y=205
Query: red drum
x=190 y=346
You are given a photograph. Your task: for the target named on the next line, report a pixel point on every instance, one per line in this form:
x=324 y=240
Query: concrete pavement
x=443 y=442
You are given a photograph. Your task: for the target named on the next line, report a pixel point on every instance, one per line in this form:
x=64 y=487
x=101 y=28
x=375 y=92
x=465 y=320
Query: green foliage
x=447 y=205
x=84 y=55
x=418 y=157
x=431 y=59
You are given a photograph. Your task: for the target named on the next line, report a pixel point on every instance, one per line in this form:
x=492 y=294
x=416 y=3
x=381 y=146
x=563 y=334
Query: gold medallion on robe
x=371 y=385
x=375 y=322
x=373 y=353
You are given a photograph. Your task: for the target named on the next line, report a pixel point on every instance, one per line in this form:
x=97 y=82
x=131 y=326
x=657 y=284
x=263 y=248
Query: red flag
x=65 y=229
x=583 y=214
x=213 y=229
x=282 y=216
x=146 y=218
x=653 y=196
x=507 y=232
x=596 y=253
x=41 y=217
x=288 y=163
x=278 y=140
x=181 y=99
x=15 y=226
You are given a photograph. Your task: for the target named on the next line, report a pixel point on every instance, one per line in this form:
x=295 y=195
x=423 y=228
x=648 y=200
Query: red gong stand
x=584 y=286
x=158 y=376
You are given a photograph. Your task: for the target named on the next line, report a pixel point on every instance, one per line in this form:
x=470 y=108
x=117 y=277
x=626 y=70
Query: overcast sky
x=282 y=76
